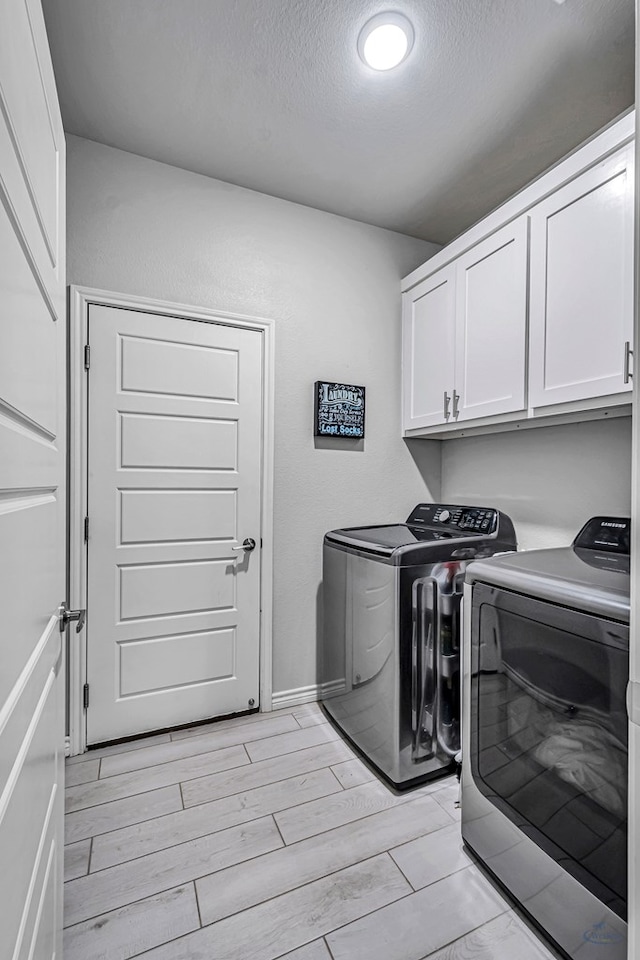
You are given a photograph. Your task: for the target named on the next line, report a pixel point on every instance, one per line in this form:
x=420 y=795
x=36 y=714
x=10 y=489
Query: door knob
x=247 y=545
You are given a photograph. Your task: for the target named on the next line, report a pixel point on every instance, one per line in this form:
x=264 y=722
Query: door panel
x=581 y=285
x=32 y=141
x=21 y=298
x=175 y=661
x=154 y=516
x=34 y=785
x=149 y=442
x=428 y=349
x=174 y=486
x=32 y=488
x=186 y=370
x=159 y=589
x=491 y=332
x=28 y=108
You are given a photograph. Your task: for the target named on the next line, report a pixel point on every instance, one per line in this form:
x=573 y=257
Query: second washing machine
x=390 y=657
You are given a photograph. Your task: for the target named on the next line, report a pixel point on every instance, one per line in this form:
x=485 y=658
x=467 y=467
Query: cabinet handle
x=456 y=397
x=628 y=353
x=447 y=401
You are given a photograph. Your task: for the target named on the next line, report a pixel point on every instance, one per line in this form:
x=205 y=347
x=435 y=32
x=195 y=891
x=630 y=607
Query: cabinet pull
x=456 y=397
x=628 y=353
x=447 y=401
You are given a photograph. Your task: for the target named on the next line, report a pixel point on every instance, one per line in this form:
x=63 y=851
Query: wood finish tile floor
x=264 y=837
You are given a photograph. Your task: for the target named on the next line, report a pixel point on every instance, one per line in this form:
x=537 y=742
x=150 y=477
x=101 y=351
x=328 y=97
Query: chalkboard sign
x=339 y=410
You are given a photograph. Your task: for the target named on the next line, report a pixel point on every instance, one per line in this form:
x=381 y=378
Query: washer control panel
x=479 y=519
x=452 y=515
x=469 y=519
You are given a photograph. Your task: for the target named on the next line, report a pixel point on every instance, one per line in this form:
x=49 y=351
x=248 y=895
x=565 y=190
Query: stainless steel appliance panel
x=544 y=759
x=390 y=656
x=391 y=661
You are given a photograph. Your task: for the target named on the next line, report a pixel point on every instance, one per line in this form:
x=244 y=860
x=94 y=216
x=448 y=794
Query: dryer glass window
x=549 y=731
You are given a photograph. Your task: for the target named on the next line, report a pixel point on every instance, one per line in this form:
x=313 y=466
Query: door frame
x=80 y=299
x=633 y=691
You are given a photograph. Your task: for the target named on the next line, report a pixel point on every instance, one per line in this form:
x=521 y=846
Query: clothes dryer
x=544 y=772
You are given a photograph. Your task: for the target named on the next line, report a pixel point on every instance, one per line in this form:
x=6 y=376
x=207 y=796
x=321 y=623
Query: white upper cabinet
x=582 y=285
x=428 y=350
x=464 y=335
x=528 y=316
x=491 y=325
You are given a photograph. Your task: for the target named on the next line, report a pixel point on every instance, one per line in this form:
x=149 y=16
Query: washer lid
x=390 y=537
x=433 y=532
x=402 y=545
x=590 y=580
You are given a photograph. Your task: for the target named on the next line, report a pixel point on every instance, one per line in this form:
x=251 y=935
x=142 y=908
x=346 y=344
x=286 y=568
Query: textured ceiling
x=271 y=95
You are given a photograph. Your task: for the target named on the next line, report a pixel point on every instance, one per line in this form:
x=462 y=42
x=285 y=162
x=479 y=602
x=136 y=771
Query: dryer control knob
x=444 y=516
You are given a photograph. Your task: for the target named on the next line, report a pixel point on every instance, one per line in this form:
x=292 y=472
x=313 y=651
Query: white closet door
x=32 y=489
x=173 y=601
x=428 y=350
x=491 y=324
x=581 y=312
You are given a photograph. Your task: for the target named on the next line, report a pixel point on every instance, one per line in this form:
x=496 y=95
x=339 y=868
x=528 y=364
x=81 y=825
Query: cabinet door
x=428 y=350
x=491 y=325
x=581 y=308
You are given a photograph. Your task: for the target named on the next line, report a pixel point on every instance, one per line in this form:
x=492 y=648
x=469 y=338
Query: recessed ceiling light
x=385 y=41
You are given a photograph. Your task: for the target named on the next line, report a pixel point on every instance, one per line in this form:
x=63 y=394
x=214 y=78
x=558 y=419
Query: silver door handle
x=424 y=690
x=448 y=741
x=447 y=401
x=456 y=397
x=247 y=545
x=66 y=616
x=628 y=353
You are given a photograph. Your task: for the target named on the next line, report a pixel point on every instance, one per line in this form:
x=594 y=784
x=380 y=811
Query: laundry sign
x=339 y=410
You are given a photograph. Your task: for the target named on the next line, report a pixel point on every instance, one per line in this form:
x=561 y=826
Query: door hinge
x=86 y=529
x=87 y=356
x=85 y=696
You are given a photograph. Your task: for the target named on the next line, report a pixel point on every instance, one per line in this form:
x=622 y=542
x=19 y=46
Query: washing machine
x=390 y=655
x=544 y=773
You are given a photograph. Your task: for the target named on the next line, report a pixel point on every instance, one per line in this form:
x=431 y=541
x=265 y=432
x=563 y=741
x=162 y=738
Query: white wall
x=333 y=287
x=549 y=480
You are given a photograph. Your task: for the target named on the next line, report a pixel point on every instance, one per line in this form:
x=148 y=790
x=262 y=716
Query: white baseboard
x=316 y=691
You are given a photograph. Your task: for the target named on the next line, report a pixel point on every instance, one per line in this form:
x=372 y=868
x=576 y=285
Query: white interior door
x=174 y=468
x=32 y=489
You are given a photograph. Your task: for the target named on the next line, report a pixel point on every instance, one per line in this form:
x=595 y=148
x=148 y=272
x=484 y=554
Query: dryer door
x=549 y=731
